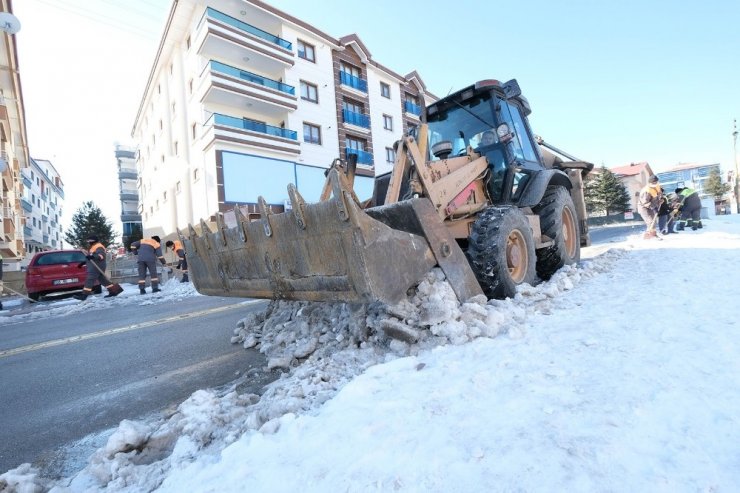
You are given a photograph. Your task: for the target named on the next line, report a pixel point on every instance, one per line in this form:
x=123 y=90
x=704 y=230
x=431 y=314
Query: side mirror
x=512 y=89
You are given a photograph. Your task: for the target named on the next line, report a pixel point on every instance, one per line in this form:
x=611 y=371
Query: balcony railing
x=46 y=238
x=130 y=218
x=363 y=157
x=352 y=81
x=27 y=206
x=255 y=31
x=355 y=118
x=412 y=108
x=44 y=196
x=250 y=77
x=44 y=218
x=27 y=231
x=26 y=181
x=53 y=205
x=254 y=126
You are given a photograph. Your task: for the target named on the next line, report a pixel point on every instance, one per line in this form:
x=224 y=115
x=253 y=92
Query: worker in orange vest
x=177 y=247
x=96 y=264
x=149 y=251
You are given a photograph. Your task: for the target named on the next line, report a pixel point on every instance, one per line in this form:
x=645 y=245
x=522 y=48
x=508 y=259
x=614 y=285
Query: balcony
x=129 y=195
x=363 y=157
x=357 y=119
x=232 y=130
x=130 y=218
x=44 y=218
x=26 y=181
x=412 y=108
x=350 y=80
x=27 y=206
x=226 y=85
x=53 y=205
x=44 y=196
x=127 y=174
x=221 y=36
x=46 y=239
x=27 y=231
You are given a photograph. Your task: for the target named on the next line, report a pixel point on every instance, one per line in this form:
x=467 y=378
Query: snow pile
x=320 y=347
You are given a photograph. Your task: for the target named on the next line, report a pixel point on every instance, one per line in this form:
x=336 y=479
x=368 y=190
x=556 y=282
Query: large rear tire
x=559 y=221
x=501 y=251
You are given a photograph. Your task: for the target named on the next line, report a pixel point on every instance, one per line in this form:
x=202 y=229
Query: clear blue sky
x=611 y=82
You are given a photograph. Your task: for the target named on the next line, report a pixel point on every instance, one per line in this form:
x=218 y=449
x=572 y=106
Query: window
x=390 y=155
x=160 y=125
x=351 y=70
x=195 y=131
x=387 y=122
x=187 y=42
x=172 y=68
x=164 y=196
x=309 y=92
x=172 y=107
x=178 y=187
x=356 y=144
x=176 y=148
x=190 y=86
x=353 y=107
x=196 y=175
x=159 y=88
x=385 y=90
x=311 y=133
x=306 y=51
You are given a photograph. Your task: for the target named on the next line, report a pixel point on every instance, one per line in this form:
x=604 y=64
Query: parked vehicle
x=56 y=271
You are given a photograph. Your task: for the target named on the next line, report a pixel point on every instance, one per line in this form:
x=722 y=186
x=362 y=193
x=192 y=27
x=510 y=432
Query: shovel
x=113 y=284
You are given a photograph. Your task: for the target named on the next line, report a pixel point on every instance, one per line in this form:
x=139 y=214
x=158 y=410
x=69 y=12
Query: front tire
x=501 y=251
x=558 y=221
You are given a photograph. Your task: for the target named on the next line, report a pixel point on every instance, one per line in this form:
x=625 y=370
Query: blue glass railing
x=412 y=108
x=254 y=126
x=27 y=206
x=355 y=118
x=27 y=181
x=250 y=77
x=27 y=231
x=255 y=31
x=352 y=81
x=363 y=157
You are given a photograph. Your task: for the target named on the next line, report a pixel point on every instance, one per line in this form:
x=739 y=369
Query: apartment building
x=244 y=99
x=128 y=193
x=42 y=201
x=687 y=175
x=13 y=149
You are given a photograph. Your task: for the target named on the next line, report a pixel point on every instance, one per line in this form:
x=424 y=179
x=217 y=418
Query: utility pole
x=737 y=179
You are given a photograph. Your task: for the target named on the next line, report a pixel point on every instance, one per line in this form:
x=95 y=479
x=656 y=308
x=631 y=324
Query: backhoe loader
x=472 y=191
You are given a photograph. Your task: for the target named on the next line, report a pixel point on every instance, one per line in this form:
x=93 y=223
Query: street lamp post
x=737 y=178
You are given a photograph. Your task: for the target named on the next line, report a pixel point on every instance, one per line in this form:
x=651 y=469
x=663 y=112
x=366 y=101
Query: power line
x=104 y=19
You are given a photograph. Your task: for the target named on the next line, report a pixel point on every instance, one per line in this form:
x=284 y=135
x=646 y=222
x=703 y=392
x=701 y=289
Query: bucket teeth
x=297 y=203
x=241 y=223
x=265 y=213
x=221 y=226
x=205 y=232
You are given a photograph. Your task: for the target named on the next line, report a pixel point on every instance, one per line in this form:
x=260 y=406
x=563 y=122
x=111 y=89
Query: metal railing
x=251 y=77
x=363 y=157
x=412 y=108
x=253 y=30
x=355 y=118
x=350 y=80
x=253 y=125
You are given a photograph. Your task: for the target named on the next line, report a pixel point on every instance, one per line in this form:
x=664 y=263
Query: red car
x=56 y=271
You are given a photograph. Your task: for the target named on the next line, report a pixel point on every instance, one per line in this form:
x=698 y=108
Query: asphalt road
x=66 y=377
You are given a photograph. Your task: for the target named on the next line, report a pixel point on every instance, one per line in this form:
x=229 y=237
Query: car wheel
x=34 y=296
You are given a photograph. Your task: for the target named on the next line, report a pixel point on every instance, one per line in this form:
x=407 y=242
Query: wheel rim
x=570 y=238
x=516 y=256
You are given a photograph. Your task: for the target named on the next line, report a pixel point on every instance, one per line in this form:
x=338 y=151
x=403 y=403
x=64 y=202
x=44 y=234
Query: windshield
x=466 y=124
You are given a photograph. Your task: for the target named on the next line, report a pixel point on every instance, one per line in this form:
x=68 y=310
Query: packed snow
x=617 y=374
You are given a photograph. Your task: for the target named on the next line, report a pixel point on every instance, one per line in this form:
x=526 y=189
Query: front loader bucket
x=326 y=251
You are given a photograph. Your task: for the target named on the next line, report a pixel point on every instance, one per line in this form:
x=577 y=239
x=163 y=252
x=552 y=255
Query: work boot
x=699 y=225
x=142 y=290
x=155 y=287
x=185 y=278
x=114 y=290
x=80 y=296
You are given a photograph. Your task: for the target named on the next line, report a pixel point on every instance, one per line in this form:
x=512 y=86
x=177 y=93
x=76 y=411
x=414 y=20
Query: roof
x=631 y=169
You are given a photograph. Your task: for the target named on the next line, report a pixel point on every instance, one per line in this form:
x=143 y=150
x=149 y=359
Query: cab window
x=522 y=143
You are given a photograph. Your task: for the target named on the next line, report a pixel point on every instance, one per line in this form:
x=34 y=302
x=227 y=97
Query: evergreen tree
x=714 y=186
x=136 y=235
x=89 y=220
x=605 y=192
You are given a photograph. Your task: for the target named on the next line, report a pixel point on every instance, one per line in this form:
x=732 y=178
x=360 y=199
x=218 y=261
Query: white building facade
x=244 y=99
x=43 y=198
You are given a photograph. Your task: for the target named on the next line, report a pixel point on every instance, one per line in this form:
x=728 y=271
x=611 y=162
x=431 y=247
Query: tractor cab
x=487 y=119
